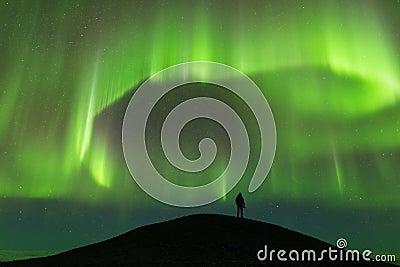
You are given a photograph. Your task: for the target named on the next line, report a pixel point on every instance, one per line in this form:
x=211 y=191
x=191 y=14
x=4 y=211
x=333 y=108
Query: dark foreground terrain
x=196 y=240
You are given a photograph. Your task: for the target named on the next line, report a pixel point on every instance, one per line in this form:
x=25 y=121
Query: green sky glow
x=330 y=71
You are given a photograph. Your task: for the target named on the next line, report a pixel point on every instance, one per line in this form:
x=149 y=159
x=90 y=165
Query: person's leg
x=241 y=212
x=237 y=211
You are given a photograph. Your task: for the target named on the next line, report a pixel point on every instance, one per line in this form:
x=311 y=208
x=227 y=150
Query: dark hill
x=196 y=240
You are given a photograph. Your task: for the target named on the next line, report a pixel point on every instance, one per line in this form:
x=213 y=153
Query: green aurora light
x=330 y=71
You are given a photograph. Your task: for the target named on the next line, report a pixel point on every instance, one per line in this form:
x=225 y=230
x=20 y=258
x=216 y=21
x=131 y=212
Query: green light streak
x=338 y=171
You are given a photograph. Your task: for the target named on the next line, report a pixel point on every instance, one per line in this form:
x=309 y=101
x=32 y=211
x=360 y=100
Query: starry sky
x=330 y=71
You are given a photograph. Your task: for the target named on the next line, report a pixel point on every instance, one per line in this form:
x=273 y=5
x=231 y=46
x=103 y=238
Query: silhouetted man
x=240 y=205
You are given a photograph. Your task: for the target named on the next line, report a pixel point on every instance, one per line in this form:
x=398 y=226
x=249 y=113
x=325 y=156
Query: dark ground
x=196 y=240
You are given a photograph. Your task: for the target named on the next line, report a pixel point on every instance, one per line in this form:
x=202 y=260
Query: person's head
x=240 y=193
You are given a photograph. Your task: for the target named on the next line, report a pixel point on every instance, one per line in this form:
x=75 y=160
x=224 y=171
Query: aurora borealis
x=330 y=71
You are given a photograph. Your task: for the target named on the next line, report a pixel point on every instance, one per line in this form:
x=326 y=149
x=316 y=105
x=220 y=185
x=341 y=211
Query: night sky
x=330 y=71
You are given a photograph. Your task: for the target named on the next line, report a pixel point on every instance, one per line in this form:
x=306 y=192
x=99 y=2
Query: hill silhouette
x=195 y=240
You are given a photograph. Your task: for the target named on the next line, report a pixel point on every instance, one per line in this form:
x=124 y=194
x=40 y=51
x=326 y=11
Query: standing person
x=240 y=205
